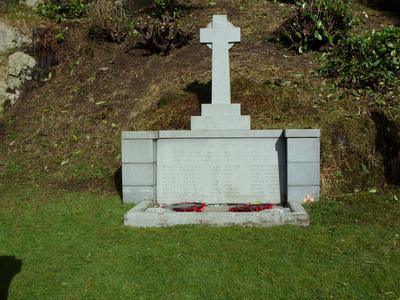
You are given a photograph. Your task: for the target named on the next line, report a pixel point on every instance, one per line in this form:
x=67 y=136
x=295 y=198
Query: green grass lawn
x=74 y=246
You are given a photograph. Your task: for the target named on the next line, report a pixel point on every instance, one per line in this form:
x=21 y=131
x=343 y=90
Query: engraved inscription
x=218 y=170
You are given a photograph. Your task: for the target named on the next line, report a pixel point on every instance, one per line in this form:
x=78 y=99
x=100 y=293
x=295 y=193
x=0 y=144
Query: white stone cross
x=220 y=36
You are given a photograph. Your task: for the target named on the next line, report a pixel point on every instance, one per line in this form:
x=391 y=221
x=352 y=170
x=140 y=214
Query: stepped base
x=224 y=122
x=145 y=214
x=220 y=116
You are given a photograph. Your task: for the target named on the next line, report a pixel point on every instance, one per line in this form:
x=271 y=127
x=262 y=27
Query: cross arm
x=212 y=35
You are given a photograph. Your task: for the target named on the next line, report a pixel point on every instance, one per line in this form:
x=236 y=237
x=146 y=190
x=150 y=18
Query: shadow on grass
x=9 y=267
x=118 y=181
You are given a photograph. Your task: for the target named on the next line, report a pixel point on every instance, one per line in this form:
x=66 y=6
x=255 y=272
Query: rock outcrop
x=31 y=3
x=20 y=69
x=3 y=84
x=17 y=68
x=11 y=38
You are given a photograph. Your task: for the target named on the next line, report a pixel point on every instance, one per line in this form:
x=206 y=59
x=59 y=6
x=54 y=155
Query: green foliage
x=172 y=8
x=314 y=23
x=7 y=5
x=366 y=61
x=59 y=10
x=60 y=37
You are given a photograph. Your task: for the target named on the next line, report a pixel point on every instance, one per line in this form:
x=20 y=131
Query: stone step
x=220 y=110
x=220 y=122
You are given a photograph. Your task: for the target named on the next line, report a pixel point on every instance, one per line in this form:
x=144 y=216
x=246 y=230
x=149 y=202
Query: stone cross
x=220 y=36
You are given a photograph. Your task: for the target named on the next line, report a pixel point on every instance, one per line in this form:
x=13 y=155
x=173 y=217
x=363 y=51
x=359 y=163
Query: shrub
x=314 y=23
x=366 y=61
x=170 y=8
x=59 y=10
x=45 y=50
x=7 y=5
x=161 y=37
x=108 y=21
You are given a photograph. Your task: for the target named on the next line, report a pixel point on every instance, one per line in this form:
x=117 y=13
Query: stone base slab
x=220 y=123
x=219 y=110
x=145 y=215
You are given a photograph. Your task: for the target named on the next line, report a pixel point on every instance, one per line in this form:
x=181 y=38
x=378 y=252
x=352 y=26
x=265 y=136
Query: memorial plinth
x=220 y=161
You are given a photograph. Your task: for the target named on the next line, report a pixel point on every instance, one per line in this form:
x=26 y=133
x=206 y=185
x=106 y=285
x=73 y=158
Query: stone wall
x=221 y=166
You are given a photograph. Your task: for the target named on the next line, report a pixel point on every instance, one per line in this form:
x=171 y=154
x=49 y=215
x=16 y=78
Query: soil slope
x=67 y=131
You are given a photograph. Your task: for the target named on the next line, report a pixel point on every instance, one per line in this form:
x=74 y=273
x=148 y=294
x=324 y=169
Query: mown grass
x=74 y=246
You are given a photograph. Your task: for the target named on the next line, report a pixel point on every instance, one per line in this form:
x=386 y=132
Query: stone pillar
x=303 y=163
x=139 y=157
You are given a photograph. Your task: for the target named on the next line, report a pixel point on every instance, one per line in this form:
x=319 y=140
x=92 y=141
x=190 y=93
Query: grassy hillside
x=67 y=130
x=61 y=232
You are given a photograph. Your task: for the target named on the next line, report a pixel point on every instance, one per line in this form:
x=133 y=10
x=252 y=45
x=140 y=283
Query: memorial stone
x=220 y=161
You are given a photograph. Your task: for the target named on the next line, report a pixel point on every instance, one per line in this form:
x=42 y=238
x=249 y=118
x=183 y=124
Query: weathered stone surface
x=230 y=170
x=220 y=109
x=14 y=83
x=13 y=97
x=139 y=154
x=138 y=151
x=199 y=134
x=31 y=3
x=220 y=122
x=137 y=194
x=220 y=37
x=303 y=173
x=138 y=174
x=20 y=64
x=297 y=193
x=20 y=69
x=3 y=95
x=303 y=163
x=139 y=135
x=302 y=133
x=11 y=38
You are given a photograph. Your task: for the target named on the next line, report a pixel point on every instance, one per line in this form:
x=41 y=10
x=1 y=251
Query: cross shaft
x=220 y=37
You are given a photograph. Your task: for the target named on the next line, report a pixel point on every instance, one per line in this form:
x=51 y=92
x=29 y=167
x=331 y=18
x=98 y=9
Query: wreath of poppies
x=200 y=207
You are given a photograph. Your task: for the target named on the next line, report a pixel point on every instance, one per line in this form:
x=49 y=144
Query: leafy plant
x=7 y=5
x=59 y=37
x=59 y=10
x=161 y=37
x=314 y=23
x=171 y=8
x=366 y=61
x=108 y=21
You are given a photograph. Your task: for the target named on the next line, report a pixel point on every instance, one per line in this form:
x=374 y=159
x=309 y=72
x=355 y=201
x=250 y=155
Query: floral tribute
x=189 y=207
x=200 y=207
x=251 y=207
